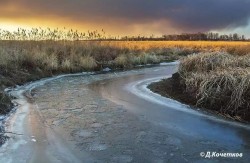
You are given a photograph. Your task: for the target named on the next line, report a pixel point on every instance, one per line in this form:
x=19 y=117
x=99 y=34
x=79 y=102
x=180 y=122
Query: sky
x=129 y=17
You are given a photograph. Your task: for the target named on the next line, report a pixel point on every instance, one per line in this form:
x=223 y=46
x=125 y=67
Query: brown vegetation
x=22 y=61
x=219 y=81
x=216 y=81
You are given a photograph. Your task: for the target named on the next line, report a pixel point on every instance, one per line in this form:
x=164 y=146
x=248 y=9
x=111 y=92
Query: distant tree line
x=74 y=35
x=190 y=37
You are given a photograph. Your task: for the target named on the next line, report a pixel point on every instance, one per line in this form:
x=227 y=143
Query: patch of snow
x=169 y=63
x=2 y=117
x=106 y=69
x=7 y=89
x=34 y=140
x=97 y=147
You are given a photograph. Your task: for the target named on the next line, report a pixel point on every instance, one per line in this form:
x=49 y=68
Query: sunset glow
x=129 y=17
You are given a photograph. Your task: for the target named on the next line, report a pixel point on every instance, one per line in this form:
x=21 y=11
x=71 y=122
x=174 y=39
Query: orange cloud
x=128 y=16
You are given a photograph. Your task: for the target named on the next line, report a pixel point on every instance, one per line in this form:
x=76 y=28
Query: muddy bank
x=5 y=103
x=12 y=78
x=172 y=88
x=5 y=107
x=175 y=88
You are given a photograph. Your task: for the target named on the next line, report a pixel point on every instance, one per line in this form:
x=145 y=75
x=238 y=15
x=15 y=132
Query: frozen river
x=113 y=117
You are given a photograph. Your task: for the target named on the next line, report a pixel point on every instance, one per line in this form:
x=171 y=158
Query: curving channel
x=113 y=117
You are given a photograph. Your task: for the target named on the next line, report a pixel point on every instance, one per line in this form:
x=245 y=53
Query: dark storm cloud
x=186 y=15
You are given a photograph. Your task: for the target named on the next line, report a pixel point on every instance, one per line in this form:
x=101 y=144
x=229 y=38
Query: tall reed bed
x=219 y=81
x=75 y=55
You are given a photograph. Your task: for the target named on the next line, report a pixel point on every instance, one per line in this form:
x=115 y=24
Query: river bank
x=218 y=82
x=172 y=88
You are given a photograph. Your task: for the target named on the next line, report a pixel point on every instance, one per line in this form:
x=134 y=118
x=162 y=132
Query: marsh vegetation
x=215 y=73
x=218 y=81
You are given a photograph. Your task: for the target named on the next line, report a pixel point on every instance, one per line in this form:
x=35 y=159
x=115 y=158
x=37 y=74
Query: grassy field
x=191 y=45
x=23 y=61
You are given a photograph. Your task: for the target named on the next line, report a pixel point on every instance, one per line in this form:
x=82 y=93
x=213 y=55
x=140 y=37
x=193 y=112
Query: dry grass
x=22 y=61
x=69 y=55
x=219 y=81
x=77 y=55
x=207 y=46
x=229 y=87
x=123 y=60
x=87 y=63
